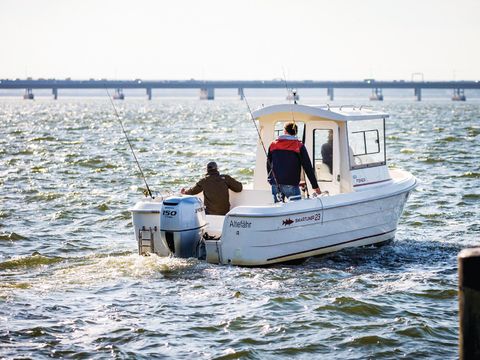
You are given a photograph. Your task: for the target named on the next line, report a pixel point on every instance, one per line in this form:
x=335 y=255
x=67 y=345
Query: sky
x=240 y=39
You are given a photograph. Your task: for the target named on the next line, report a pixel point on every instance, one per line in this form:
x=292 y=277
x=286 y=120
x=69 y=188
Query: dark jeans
x=286 y=191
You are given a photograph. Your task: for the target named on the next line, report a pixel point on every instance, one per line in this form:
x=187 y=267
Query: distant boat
x=459 y=95
x=118 y=95
x=293 y=95
x=364 y=202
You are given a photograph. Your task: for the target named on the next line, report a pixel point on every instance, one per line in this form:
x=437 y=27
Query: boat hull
x=308 y=228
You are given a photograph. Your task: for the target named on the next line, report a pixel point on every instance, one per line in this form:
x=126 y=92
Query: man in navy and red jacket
x=287 y=155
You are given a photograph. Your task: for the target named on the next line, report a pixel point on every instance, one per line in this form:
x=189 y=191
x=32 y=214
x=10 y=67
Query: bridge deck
x=226 y=84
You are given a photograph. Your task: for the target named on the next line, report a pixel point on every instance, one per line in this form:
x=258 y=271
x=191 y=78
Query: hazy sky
x=240 y=39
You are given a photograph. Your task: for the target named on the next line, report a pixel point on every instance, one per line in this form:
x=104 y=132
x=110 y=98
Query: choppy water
x=72 y=286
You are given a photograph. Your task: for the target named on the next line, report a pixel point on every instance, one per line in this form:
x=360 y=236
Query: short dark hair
x=291 y=128
x=212 y=165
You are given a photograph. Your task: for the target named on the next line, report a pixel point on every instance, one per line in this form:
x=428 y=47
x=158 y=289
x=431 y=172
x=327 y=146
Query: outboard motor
x=183 y=223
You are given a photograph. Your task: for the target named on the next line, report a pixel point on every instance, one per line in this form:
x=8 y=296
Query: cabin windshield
x=366 y=140
x=279 y=125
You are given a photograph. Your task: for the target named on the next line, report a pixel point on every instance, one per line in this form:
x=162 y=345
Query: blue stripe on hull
x=327 y=246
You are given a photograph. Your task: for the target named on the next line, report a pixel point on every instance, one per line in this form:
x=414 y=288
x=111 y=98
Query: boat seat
x=322 y=172
x=251 y=197
x=247 y=197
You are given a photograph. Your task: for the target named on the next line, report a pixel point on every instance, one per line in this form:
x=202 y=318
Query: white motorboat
x=364 y=202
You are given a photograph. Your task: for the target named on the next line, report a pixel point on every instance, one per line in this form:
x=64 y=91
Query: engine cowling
x=183 y=223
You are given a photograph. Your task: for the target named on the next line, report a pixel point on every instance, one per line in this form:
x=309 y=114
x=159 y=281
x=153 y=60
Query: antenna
x=294 y=93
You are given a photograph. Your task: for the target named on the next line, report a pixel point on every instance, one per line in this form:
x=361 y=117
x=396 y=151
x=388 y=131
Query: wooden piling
x=469 y=303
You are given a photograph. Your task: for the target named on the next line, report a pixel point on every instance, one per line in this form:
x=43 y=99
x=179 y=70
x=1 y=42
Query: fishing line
x=263 y=146
x=321 y=202
x=130 y=144
x=304 y=187
x=255 y=124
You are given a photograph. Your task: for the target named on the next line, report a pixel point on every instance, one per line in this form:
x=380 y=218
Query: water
x=72 y=286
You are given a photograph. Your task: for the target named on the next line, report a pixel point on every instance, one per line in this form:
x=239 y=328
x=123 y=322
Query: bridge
x=207 y=88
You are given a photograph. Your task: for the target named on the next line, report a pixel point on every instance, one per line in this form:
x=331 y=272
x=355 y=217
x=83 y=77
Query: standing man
x=286 y=156
x=327 y=152
x=215 y=190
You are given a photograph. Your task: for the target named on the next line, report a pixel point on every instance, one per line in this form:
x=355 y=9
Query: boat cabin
x=346 y=144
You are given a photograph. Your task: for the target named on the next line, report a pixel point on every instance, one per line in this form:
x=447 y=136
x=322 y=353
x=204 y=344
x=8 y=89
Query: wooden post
x=469 y=303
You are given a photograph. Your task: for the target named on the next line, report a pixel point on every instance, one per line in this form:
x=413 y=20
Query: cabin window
x=366 y=140
x=323 y=154
x=279 y=125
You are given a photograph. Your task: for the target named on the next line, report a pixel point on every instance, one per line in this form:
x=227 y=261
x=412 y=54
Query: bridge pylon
x=28 y=94
x=377 y=94
x=418 y=93
x=330 y=93
x=241 y=94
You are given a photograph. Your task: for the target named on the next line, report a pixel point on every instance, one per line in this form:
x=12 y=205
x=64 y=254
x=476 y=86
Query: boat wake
x=57 y=274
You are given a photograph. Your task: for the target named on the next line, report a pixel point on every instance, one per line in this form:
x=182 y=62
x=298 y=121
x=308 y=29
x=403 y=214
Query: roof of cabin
x=338 y=113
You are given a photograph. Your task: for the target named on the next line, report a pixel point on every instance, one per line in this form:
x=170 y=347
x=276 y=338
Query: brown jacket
x=215 y=191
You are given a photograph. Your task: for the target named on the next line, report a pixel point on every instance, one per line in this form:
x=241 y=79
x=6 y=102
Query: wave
x=29 y=262
x=98 y=268
x=11 y=236
x=469 y=175
x=471 y=196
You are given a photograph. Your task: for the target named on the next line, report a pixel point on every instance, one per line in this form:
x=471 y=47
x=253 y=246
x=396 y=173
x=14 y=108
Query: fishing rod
x=130 y=144
x=264 y=149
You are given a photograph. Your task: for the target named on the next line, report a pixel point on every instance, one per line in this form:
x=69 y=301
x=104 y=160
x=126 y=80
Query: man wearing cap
x=215 y=190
